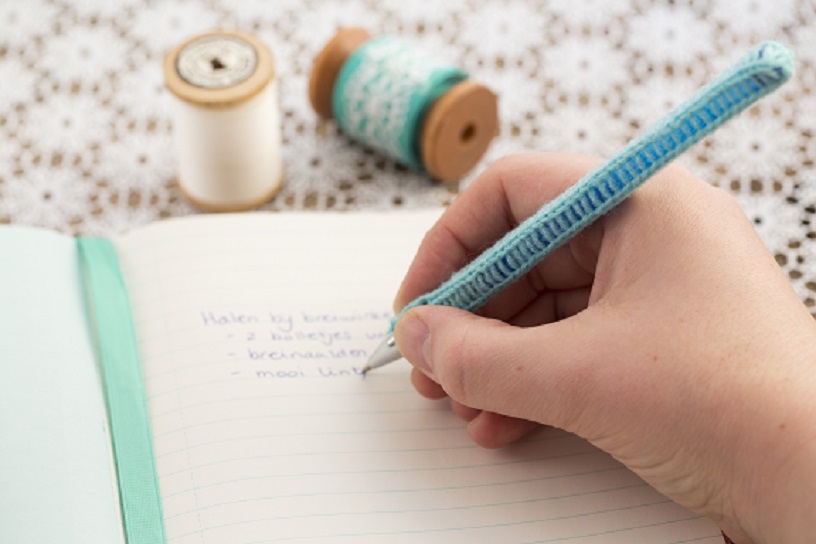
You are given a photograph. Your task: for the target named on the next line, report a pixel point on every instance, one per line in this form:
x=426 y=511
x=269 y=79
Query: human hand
x=665 y=334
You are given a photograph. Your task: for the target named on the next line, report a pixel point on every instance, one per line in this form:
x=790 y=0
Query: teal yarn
x=382 y=93
x=761 y=71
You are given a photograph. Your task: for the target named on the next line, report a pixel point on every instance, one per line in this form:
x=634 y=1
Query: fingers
x=465 y=412
x=548 y=307
x=426 y=386
x=492 y=430
x=488 y=429
x=508 y=192
x=545 y=374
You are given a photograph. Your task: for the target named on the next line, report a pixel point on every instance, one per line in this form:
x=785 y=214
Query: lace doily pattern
x=85 y=136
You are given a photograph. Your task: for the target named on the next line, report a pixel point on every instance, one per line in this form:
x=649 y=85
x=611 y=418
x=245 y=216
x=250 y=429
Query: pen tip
x=385 y=353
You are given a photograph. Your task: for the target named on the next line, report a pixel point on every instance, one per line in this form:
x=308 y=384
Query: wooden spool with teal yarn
x=416 y=109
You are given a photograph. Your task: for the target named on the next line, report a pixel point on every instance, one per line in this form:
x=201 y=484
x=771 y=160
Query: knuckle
x=506 y=162
x=506 y=167
x=724 y=206
x=726 y=200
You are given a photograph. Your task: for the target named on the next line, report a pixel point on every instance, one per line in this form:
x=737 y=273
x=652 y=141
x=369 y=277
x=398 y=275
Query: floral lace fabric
x=86 y=143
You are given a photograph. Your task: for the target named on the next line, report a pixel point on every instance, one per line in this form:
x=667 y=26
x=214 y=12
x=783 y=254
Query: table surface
x=86 y=140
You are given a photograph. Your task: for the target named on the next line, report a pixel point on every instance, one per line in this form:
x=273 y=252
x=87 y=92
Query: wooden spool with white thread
x=226 y=120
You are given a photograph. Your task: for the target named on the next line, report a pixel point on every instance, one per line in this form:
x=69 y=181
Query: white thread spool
x=226 y=121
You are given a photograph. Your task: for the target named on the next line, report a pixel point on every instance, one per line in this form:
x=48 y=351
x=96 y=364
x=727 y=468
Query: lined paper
x=253 y=330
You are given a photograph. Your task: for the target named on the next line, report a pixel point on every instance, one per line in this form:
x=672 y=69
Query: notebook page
x=253 y=329
x=57 y=480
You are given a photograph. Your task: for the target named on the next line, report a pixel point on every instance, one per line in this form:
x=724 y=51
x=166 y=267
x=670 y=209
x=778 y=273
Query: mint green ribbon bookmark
x=112 y=325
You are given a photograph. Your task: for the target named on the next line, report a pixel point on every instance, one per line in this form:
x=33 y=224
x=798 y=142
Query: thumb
x=546 y=374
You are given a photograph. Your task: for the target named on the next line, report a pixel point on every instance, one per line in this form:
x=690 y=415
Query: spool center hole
x=467 y=134
x=216 y=64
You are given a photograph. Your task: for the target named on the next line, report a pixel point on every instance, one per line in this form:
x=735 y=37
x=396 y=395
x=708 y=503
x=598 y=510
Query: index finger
x=505 y=194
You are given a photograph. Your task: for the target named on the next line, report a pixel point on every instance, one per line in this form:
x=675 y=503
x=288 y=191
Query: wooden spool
x=455 y=132
x=225 y=120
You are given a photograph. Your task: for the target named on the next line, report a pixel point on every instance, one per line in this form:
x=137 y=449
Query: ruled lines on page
x=253 y=332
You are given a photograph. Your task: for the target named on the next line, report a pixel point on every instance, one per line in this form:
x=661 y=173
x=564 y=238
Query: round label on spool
x=216 y=62
x=218 y=69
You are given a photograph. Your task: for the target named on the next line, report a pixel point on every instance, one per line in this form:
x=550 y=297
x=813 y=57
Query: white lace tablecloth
x=85 y=137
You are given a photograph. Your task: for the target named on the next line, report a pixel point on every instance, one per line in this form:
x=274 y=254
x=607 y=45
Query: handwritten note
x=277 y=343
x=253 y=331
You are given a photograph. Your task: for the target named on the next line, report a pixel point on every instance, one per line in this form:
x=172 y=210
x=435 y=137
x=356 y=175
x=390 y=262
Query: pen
x=762 y=70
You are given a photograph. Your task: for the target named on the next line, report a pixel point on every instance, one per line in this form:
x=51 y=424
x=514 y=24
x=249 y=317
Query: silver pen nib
x=385 y=353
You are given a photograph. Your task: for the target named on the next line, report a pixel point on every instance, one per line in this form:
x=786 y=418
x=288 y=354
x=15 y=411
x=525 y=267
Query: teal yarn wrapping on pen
x=761 y=71
x=382 y=93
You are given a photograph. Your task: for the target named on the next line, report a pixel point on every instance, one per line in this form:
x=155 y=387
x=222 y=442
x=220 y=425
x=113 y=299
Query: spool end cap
x=257 y=78
x=458 y=129
x=327 y=64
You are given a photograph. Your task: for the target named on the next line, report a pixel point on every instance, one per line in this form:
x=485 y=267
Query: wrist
x=776 y=500
x=791 y=508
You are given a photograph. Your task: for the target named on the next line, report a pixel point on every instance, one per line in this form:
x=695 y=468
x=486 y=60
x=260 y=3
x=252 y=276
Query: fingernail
x=412 y=336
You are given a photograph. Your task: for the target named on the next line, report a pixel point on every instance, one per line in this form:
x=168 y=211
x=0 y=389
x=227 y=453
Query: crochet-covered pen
x=761 y=71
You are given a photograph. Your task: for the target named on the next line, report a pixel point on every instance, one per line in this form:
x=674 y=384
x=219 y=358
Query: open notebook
x=252 y=330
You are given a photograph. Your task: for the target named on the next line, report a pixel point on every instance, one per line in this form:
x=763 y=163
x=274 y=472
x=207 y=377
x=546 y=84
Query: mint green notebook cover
x=71 y=394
